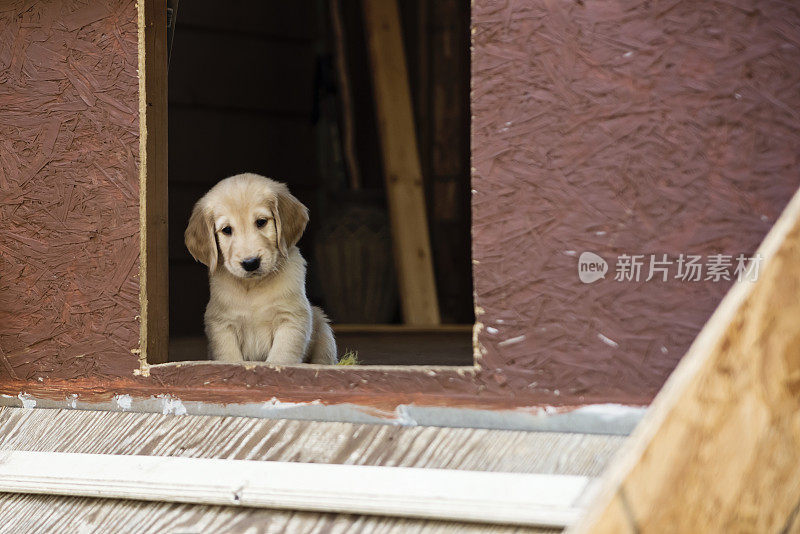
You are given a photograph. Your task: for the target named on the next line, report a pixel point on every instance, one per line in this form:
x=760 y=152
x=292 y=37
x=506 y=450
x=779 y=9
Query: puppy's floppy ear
x=199 y=236
x=290 y=220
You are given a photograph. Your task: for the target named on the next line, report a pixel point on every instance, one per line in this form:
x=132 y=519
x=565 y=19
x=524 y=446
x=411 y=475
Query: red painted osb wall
x=605 y=126
x=69 y=186
x=622 y=128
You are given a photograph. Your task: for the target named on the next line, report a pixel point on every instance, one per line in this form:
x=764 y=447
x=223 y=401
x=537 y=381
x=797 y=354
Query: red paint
x=69 y=241
x=587 y=117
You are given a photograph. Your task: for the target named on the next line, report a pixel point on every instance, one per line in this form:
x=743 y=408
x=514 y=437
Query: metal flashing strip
x=614 y=419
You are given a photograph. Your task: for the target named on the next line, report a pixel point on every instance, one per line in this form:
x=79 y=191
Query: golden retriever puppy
x=245 y=230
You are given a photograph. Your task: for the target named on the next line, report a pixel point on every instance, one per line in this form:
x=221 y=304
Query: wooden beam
x=401 y=163
x=154 y=255
x=474 y=496
x=719 y=450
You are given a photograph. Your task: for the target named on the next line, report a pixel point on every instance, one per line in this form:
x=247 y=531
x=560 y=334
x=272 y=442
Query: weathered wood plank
x=40 y=513
x=528 y=499
x=404 y=186
x=280 y=440
x=719 y=450
x=244 y=438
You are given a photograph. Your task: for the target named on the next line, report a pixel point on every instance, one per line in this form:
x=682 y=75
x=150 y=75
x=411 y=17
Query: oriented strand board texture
x=69 y=200
x=650 y=127
x=608 y=126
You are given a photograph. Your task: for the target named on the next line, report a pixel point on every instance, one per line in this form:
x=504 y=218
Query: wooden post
x=154 y=256
x=719 y=450
x=401 y=163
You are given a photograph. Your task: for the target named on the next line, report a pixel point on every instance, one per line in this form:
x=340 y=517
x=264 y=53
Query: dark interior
x=254 y=87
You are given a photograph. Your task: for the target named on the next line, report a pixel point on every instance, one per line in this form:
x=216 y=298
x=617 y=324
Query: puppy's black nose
x=251 y=264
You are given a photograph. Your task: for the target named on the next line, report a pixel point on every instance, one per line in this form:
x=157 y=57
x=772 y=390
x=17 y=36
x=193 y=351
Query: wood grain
x=528 y=499
x=153 y=202
x=719 y=450
x=404 y=186
x=278 y=440
x=244 y=438
x=38 y=513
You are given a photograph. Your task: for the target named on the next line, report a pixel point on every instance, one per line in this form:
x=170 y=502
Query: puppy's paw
x=284 y=359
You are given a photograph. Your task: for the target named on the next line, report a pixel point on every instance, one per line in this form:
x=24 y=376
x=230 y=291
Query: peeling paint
x=27 y=400
x=617 y=419
x=171 y=405
x=123 y=402
x=275 y=403
x=402 y=416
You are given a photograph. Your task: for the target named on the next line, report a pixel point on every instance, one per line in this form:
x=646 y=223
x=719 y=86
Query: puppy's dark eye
x=227 y=230
x=261 y=222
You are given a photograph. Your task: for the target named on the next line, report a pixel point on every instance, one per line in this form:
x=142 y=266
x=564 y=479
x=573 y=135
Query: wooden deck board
x=38 y=513
x=245 y=438
x=280 y=440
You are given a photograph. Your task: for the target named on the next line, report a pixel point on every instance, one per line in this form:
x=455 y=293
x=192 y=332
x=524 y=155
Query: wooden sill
x=376 y=344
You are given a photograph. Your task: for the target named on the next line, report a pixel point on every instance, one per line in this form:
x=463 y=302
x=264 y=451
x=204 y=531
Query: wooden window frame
x=367 y=393
x=393 y=385
x=404 y=189
x=153 y=199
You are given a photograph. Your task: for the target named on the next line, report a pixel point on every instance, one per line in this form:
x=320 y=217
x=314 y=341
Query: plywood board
x=621 y=128
x=69 y=176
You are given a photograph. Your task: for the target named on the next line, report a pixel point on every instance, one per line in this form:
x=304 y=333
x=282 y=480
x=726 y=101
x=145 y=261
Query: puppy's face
x=247 y=235
x=247 y=223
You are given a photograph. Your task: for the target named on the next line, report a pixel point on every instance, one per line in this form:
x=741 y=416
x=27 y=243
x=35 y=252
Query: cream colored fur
x=263 y=314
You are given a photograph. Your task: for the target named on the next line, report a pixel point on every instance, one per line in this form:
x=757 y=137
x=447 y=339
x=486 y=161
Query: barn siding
x=279 y=440
x=602 y=126
x=621 y=128
x=69 y=131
